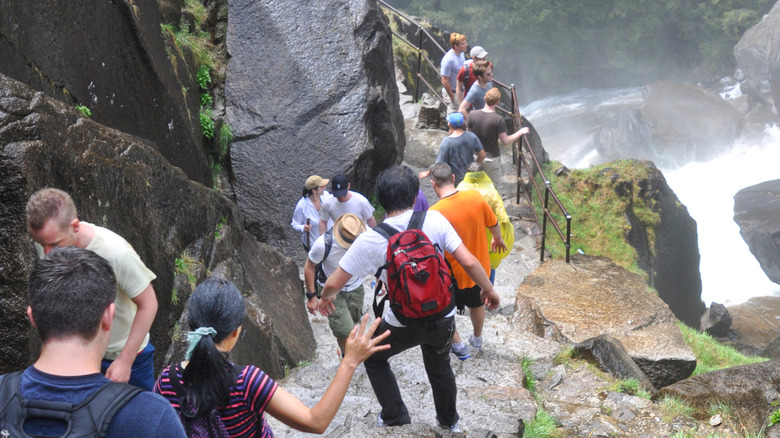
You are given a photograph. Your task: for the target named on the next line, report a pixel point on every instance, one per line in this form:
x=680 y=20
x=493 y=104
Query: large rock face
x=677 y=123
x=109 y=56
x=307 y=98
x=757 y=212
x=758 y=56
x=121 y=182
x=755 y=326
x=592 y=297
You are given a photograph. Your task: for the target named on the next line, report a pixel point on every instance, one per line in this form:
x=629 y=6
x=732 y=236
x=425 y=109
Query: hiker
x=52 y=221
x=306 y=217
x=241 y=395
x=476 y=179
x=324 y=259
x=470 y=215
x=490 y=127
x=458 y=149
x=466 y=77
x=396 y=189
x=345 y=201
x=475 y=98
x=71 y=306
x=451 y=63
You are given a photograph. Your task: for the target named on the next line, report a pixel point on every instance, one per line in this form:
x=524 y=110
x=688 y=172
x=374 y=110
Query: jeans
x=142 y=373
x=434 y=339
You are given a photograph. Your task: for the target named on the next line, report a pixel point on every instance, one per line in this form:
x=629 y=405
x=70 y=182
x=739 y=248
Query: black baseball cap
x=339 y=186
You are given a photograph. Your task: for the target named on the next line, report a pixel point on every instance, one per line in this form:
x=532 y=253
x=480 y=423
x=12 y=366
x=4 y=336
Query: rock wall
x=307 y=93
x=757 y=212
x=109 y=56
x=758 y=56
x=121 y=182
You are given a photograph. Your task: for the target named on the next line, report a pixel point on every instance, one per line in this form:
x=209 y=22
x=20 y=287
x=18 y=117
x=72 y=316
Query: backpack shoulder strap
x=107 y=401
x=417 y=220
x=328 y=244
x=385 y=230
x=9 y=388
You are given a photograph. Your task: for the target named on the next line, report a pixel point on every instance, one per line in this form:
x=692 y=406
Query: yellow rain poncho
x=480 y=182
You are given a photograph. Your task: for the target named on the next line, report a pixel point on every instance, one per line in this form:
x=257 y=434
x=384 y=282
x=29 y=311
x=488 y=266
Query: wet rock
x=612 y=357
x=755 y=324
x=756 y=55
x=112 y=58
x=431 y=115
x=592 y=297
x=748 y=389
x=716 y=320
x=307 y=98
x=757 y=212
x=121 y=182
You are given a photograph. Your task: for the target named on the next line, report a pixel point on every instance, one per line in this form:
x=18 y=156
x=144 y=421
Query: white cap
x=478 y=52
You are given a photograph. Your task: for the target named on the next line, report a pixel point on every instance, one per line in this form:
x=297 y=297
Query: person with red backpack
x=404 y=262
x=466 y=76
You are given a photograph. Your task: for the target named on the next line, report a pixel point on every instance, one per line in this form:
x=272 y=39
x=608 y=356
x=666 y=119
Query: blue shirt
x=145 y=415
x=459 y=152
x=476 y=95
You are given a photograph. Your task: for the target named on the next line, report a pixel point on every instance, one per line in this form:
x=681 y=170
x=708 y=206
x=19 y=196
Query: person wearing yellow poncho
x=477 y=179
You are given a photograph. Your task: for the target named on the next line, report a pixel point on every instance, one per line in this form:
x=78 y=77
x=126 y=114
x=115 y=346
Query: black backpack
x=89 y=418
x=420 y=285
x=319 y=273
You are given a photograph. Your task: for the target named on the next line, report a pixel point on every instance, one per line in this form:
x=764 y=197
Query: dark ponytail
x=307 y=192
x=218 y=304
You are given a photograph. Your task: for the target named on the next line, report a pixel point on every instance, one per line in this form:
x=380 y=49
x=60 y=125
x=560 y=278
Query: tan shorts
x=349 y=309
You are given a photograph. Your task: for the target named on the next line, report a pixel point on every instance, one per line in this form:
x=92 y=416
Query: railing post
x=517 y=155
x=544 y=217
x=568 y=237
x=419 y=67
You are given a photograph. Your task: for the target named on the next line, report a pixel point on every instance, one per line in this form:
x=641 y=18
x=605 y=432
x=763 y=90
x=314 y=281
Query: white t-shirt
x=369 y=251
x=330 y=265
x=358 y=205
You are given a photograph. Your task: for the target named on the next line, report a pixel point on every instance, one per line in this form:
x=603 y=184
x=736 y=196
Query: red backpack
x=420 y=284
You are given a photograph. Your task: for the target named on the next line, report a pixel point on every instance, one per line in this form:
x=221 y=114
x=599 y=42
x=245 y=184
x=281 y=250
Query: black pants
x=434 y=339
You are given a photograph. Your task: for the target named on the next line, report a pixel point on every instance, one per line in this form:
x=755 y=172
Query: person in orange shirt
x=469 y=214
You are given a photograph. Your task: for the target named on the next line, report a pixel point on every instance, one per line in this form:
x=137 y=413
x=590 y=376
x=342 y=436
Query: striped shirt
x=244 y=415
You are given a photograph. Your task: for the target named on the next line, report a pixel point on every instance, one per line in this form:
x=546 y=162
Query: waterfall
x=730 y=273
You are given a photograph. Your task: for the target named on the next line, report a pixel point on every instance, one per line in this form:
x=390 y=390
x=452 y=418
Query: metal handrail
x=518 y=158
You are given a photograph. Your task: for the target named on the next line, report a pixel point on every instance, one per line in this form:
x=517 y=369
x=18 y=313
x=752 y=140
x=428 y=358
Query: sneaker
x=476 y=342
x=461 y=352
x=379 y=421
x=454 y=428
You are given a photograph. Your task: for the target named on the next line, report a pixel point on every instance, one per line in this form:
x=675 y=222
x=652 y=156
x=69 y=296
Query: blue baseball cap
x=455 y=120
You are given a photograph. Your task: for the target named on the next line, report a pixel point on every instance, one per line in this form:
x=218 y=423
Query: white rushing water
x=730 y=273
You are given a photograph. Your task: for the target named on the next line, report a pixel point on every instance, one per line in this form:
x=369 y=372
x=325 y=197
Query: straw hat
x=315 y=181
x=346 y=229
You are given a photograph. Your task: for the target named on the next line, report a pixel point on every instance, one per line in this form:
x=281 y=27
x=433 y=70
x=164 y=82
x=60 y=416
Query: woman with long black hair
x=241 y=395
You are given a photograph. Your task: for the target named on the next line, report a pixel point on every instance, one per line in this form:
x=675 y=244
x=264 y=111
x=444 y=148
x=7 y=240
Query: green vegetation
x=84 y=110
x=186 y=265
x=565 y=45
x=206 y=123
x=712 y=355
x=379 y=211
x=718 y=407
x=220 y=227
x=204 y=77
x=174 y=297
x=526 y=363
x=673 y=407
x=629 y=386
x=206 y=100
x=599 y=221
x=544 y=425
x=225 y=139
x=774 y=418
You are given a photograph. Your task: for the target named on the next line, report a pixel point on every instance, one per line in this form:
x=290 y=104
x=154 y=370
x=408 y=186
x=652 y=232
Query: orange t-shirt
x=469 y=214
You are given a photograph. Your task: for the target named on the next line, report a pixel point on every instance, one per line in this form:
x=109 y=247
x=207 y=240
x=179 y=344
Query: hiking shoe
x=379 y=421
x=454 y=428
x=476 y=342
x=462 y=353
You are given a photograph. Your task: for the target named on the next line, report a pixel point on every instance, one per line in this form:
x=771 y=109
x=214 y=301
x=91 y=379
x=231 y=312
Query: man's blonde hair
x=457 y=38
x=493 y=96
x=50 y=203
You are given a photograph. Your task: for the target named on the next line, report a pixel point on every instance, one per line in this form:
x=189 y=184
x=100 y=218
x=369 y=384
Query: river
x=730 y=274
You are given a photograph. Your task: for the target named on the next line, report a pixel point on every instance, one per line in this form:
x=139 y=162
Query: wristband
x=310 y=295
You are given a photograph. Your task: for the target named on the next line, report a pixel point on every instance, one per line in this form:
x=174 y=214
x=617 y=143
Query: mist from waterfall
x=730 y=273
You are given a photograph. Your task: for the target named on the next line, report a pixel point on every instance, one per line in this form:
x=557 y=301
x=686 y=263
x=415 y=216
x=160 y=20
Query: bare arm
x=292 y=412
x=463 y=109
x=308 y=278
x=335 y=283
x=507 y=139
x=119 y=370
x=481 y=156
x=459 y=91
x=497 y=244
x=424 y=173
x=323 y=226
x=371 y=222
x=474 y=269
x=445 y=82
